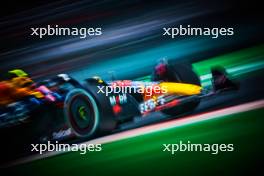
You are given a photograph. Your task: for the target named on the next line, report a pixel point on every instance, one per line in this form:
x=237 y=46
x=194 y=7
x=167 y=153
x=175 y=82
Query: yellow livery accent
x=180 y=88
x=37 y=94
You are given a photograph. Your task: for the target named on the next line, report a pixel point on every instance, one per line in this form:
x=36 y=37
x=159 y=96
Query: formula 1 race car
x=70 y=109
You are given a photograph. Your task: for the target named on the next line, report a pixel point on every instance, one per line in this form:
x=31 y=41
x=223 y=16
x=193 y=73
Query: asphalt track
x=240 y=125
x=158 y=127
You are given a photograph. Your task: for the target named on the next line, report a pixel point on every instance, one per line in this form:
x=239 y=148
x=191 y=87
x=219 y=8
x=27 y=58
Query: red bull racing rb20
x=61 y=108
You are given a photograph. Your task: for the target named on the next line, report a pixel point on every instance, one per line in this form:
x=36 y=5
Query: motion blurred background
x=132 y=40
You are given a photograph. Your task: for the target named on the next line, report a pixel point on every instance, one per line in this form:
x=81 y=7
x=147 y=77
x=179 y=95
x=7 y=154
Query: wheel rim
x=81 y=113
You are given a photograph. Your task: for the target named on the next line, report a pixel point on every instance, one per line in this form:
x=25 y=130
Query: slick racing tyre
x=108 y=120
x=81 y=112
x=181 y=73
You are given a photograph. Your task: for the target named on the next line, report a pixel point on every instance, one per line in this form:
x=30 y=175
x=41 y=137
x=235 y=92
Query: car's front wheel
x=81 y=112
